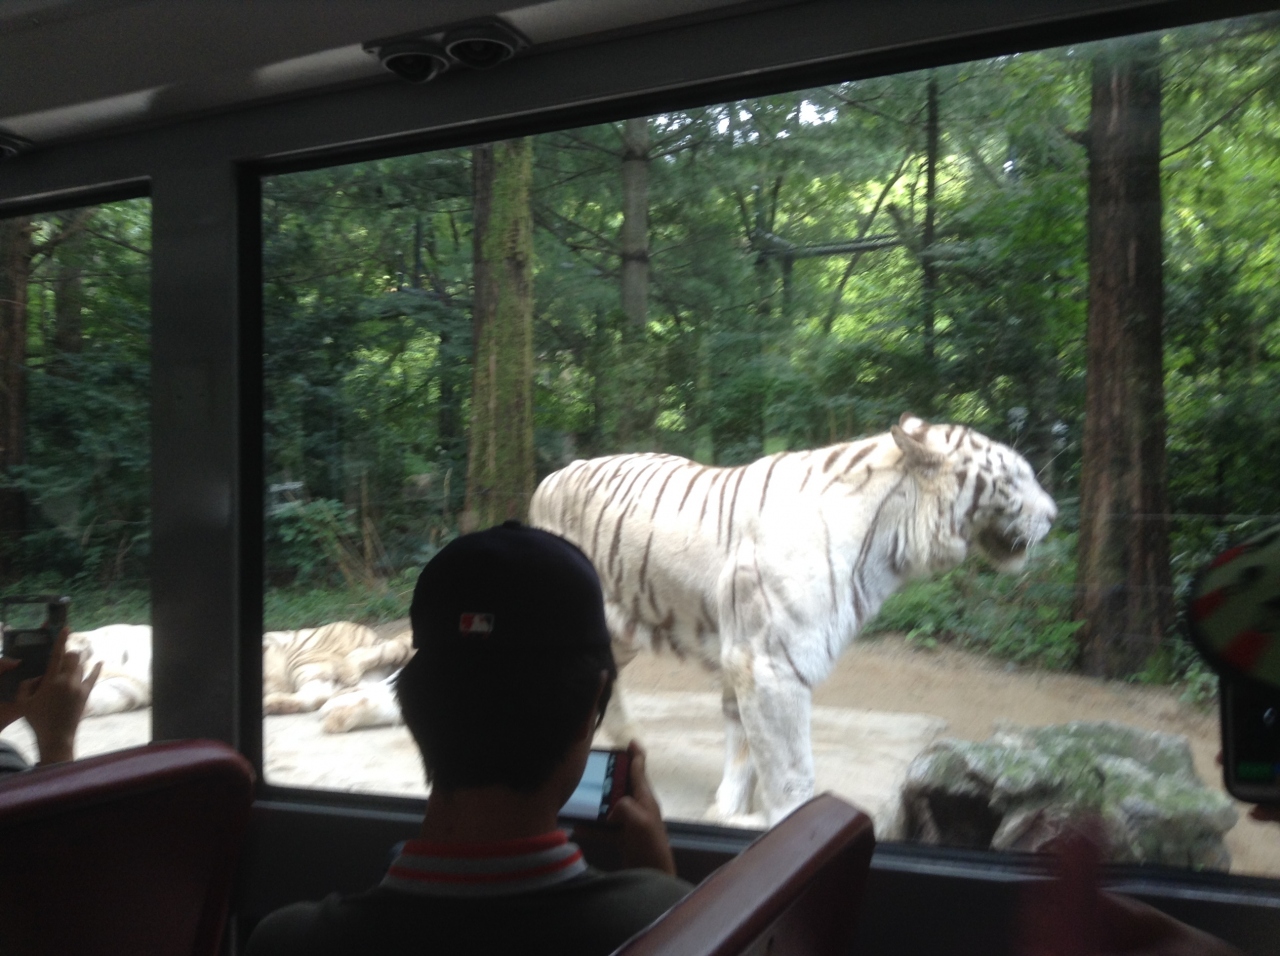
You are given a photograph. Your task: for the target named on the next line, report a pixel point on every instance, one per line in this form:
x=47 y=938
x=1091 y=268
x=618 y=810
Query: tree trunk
x=635 y=406
x=635 y=222
x=929 y=267
x=68 y=304
x=15 y=266
x=1124 y=589
x=500 y=464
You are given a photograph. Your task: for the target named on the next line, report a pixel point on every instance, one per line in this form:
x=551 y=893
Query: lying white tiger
x=125 y=653
x=767 y=571
x=301 y=669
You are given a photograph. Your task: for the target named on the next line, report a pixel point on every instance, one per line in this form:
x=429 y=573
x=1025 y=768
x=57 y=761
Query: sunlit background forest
x=720 y=283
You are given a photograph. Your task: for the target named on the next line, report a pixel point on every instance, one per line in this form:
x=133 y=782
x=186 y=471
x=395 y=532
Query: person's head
x=513 y=658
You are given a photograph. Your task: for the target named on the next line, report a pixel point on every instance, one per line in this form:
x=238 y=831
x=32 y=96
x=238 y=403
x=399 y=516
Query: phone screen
x=1251 y=741
x=597 y=790
x=31 y=646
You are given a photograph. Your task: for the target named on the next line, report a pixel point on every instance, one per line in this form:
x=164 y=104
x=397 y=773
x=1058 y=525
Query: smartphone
x=606 y=779
x=31 y=625
x=1250 y=740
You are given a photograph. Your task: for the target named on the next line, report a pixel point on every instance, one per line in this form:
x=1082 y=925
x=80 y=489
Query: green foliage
x=289 y=608
x=307 y=539
x=88 y=457
x=1024 y=617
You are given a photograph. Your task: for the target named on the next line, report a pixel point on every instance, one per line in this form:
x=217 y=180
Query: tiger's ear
x=915 y=455
x=912 y=424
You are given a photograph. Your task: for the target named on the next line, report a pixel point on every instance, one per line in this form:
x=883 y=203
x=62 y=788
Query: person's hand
x=644 y=835
x=1069 y=916
x=54 y=703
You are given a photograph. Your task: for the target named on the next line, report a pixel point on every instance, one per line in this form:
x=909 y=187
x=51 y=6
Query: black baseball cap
x=512 y=591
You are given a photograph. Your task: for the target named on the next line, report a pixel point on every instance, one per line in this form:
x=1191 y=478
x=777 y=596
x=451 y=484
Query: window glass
x=1045 y=281
x=75 y=332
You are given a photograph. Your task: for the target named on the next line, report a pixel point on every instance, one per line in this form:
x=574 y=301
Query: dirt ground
x=971 y=693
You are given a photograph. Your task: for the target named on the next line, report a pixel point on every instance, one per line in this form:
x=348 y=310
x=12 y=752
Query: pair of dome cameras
x=421 y=58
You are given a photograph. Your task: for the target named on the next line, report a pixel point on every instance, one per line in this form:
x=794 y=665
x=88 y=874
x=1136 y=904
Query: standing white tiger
x=767 y=571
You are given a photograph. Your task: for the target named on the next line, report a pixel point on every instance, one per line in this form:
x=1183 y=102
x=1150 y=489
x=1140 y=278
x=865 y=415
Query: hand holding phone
x=635 y=835
x=30 y=628
x=605 y=780
x=54 y=705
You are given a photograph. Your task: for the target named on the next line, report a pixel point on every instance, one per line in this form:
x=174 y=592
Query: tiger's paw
x=744 y=821
x=341 y=719
x=282 y=704
x=356 y=709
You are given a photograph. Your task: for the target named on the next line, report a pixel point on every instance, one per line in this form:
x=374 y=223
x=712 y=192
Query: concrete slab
x=860 y=755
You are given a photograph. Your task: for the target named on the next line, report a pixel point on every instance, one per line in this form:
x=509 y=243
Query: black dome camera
x=11 y=146
x=483 y=45
x=417 y=61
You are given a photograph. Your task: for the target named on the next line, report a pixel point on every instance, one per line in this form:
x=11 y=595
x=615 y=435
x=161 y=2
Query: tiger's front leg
x=395 y=652
x=114 y=694
x=733 y=796
x=309 y=697
x=758 y=664
x=776 y=709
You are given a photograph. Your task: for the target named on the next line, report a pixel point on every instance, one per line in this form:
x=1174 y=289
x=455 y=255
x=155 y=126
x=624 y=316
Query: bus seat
x=795 y=890
x=126 y=853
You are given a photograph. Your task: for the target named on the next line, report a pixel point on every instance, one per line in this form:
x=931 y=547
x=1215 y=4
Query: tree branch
x=77 y=225
x=1226 y=115
x=837 y=297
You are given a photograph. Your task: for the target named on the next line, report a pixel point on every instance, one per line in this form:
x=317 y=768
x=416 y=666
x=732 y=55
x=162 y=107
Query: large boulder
x=1023 y=787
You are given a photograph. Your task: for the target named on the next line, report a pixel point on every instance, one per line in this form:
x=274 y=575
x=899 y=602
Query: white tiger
x=301 y=669
x=125 y=653
x=766 y=572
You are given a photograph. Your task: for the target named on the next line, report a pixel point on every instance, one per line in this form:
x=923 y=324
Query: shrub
x=1024 y=617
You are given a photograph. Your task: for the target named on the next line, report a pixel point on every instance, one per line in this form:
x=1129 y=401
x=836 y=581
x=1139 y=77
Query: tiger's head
x=997 y=506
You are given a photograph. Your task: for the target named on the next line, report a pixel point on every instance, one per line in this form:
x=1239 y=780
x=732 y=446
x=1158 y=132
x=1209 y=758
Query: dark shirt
x=590 y=916
x=432 y=903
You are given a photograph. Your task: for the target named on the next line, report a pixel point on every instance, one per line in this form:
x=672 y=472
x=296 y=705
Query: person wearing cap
x=511 y=678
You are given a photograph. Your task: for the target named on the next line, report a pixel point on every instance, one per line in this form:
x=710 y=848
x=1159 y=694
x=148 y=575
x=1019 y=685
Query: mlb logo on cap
x=475 y=624
x=530 y=591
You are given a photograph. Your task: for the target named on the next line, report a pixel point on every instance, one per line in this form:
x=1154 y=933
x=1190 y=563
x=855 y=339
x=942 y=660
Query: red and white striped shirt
x=485 y=869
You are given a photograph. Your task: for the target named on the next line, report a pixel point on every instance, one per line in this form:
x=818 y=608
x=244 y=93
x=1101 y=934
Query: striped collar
x=485 y=869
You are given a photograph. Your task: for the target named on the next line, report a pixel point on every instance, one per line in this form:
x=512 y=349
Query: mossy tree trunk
x=500 y=461
x=1124 y=592
x=635 y=407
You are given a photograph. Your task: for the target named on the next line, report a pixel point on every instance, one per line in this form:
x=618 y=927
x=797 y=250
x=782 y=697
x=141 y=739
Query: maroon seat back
x=128 y=853
x=796 y=890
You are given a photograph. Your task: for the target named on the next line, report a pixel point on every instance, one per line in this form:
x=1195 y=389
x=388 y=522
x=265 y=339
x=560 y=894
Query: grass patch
x=92 y=606
x=286 y=609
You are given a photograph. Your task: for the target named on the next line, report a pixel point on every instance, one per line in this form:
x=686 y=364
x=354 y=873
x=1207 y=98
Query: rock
x=1026 y=785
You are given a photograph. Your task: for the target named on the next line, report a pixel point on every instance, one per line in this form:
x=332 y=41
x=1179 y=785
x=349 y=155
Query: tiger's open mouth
x=1003 y=547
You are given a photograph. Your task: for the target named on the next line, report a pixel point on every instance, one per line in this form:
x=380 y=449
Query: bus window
x=75 y=322
x=1016 y=310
